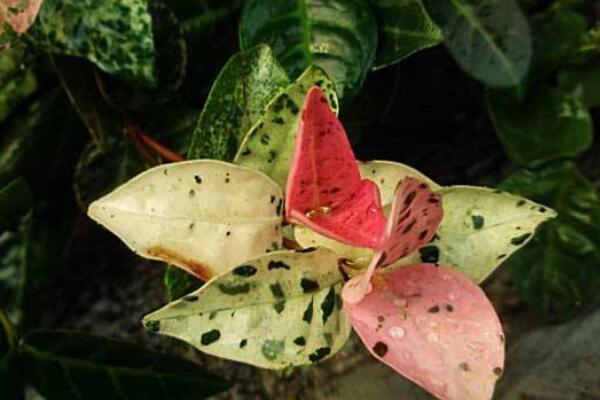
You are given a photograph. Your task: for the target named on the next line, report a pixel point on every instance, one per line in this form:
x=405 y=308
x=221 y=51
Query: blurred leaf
x=64 y=366
x=404 y=29
x=339 y=36
x=490 y=39
x=239 y=94
x=165 y=212
x=547 y=124
x=269 y=145
x=10 y=382
x=585 y=79
x=559 y=271
x=275 y=311
x=16 y=81
x=15 y=201
x=171 y=62
x=18 y=15
x=12 y=250
x=116 y=36
x=179 y=283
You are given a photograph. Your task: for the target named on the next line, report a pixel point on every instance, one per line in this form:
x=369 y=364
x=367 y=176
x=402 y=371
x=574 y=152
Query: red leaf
x=325 y=190
x=414 y=219
x=435 y=327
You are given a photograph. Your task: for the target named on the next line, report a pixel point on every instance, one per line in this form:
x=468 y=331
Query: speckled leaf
x=404 y=29
x=387 y=175
x=340 y=36
x=412 y=222
x=240 y=93
x=324 y=190
x=203 y=216
x=116 y=36
x=18 y=15
x=16 y=81
x=69 y=366
x=436 y=328
x=269 y=145
x=481 y=229
x=490 y=39
x=279 y=310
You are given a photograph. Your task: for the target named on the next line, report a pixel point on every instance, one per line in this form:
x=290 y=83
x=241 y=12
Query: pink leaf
x=414 y=219
x=435 y=327
x=325 y=190
x=19 y=14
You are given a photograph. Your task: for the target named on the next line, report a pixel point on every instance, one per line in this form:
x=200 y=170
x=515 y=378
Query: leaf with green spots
x=339 y=36
x=15 y=202
x=279 y=310
x=16 y=81
x=549 y=123
x=240 y=93
x=179 y=282
x=203 y=216
x=404 y=29
x=559 y=271
x=64 y=365
x=115 y=36
x=490 y=39
x=269 y=145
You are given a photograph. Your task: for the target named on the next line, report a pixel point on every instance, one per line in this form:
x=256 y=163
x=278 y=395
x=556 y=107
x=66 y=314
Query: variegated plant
x=383 y=249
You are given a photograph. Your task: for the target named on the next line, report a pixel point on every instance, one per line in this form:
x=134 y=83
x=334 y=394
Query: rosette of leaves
x=414 y=302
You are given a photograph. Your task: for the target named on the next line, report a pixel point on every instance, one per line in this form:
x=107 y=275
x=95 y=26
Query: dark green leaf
x=339 y=36
x=241 y=91
x=548 y=123
x=116 y=36
x=10 y=381
x=64 y=366
x=585 y=79
x=15 y=201
x=16 y=81
x=559 y=270
x=490 y=39
x=404 y=28
x=179 y=283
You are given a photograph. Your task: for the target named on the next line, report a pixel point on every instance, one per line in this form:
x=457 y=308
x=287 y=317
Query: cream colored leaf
x=279 y=310
x=204 y=216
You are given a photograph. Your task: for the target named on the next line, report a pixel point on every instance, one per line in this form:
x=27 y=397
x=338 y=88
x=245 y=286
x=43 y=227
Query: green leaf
x=490 y=39
x=560 y=270
x=339 y=36
x=179 y=283
x=16 y=81
x=276 y=311
x=243 y=88
x=15 y=201
x=584 y=79
x=404 y=29
x=165 y=212
x=547 y=124
x=269 y=145
x=116 y=36
x=10 y=381
x=64 y=366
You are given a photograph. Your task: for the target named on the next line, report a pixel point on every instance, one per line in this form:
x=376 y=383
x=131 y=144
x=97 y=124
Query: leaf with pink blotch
x=19 y=14
x=412 y=223
x=325 y=190
x=435 y=327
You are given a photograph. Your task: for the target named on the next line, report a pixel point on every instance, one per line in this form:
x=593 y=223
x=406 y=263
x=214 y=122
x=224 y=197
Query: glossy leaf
x=115 y=36
x=435 y=327
x=15 y=201
x=547 y=125
x=242 y=90
x=388 y=174
x=324 y=190
x=404 y=29
x=339 y=36
x=490 y=39
x=558 y=273
x=18 y=15
x=64 y=366
x=203 y=216
x=269 y=145
x=279 y=310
